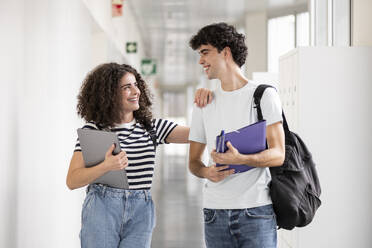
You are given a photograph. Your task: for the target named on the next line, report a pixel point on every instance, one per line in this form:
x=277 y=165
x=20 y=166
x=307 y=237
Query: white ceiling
x=167 y=25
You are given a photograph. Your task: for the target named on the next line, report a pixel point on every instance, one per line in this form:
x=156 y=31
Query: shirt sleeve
x=163 y=129
x=271 y=106
x=88 y=125
x=197 y=130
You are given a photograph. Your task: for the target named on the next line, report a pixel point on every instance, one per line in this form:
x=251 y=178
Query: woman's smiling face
x=130 y=91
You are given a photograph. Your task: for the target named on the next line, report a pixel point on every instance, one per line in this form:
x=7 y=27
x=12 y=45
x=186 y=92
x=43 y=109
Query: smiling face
x=211 y=60
x=130 y=93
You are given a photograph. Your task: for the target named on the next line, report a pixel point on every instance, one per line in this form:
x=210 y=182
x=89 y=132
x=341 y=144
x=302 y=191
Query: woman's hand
x=115 y=162
x=78 y=175
x=203 y=97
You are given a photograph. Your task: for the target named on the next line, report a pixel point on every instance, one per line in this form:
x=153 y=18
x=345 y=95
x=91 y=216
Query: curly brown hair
x=100 y=99
x=221 y=35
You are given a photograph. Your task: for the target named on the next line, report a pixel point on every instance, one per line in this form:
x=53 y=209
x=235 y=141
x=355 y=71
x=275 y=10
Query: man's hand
x=231 y=156
x=197 y=167
x=216 y=174
x=203 y=97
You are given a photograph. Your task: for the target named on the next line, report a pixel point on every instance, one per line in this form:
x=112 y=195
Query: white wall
x=119 y=29
x=361 y=23
x=319 y=22
x=57 y=45
x=11 y=68
x=270 y=78
x=47 y=47
x=341 y=23
x=256 y=40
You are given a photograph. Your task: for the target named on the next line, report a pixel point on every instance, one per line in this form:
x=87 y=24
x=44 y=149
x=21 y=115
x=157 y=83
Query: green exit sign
x=131 y=47
x=148 y=67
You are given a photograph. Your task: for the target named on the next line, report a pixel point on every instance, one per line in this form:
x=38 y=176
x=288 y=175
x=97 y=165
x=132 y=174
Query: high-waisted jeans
x=117 y=218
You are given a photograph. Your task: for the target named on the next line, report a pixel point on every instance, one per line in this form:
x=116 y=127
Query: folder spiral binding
x=247 y=140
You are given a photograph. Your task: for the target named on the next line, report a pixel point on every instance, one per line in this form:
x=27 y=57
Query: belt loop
x=104 y=190
x=87 y=189
x=146 y=195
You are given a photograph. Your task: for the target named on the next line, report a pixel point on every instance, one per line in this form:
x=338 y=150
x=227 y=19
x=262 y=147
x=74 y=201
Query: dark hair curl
x=100 y=99
x=221 y=35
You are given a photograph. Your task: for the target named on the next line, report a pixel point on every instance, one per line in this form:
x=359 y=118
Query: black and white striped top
x=136 y=142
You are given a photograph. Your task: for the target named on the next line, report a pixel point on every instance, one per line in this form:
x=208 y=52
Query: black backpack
x=294 y=186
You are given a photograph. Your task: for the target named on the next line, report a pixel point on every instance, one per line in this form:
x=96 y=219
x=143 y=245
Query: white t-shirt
x=231 y=110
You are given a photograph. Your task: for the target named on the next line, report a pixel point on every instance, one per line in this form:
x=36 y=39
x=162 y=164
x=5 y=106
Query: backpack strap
x=100 y=127
x=257 y=95
x=153 y=136
x=150 y=130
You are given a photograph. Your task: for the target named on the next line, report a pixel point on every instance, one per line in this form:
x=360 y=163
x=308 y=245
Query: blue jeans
x=243 y=228
x=117 y=218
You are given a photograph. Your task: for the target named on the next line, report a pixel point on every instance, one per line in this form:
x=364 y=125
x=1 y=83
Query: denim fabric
x=117 y=218
x=243 y=228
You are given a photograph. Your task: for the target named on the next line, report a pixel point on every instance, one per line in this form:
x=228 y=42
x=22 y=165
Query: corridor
x=177 y=197
x=317 y=53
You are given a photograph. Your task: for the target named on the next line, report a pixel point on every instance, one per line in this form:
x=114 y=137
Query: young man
x=237 y=207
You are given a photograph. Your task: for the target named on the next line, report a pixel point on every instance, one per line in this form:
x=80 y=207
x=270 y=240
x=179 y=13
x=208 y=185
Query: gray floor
x=177 y=197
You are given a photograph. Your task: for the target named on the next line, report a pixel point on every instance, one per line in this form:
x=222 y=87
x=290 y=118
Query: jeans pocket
x=264 y=212
x=209 y=215
x=88 y=199
x=87 y=204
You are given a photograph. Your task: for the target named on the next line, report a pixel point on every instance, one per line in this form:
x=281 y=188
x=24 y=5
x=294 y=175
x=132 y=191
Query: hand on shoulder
x=203 y=96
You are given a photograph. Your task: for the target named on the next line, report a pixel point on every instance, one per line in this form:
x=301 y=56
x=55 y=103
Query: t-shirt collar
x=127 y=125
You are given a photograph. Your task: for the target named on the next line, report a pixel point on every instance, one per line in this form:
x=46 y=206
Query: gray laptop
x=94 y=145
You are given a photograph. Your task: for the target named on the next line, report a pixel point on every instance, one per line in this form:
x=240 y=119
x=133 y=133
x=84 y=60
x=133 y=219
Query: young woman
x=114 y=97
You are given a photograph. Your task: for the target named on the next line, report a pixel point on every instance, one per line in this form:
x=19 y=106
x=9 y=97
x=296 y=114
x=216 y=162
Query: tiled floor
x=177 y=197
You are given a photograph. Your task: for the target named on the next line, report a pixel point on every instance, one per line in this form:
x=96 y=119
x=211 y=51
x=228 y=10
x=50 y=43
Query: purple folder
x=248 y=140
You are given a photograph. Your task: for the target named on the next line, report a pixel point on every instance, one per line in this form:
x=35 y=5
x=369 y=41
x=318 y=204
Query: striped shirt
x=136 y=142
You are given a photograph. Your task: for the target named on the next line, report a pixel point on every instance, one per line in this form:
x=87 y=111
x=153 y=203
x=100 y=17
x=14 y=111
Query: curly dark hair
x=221 y=35
x=100 y=99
